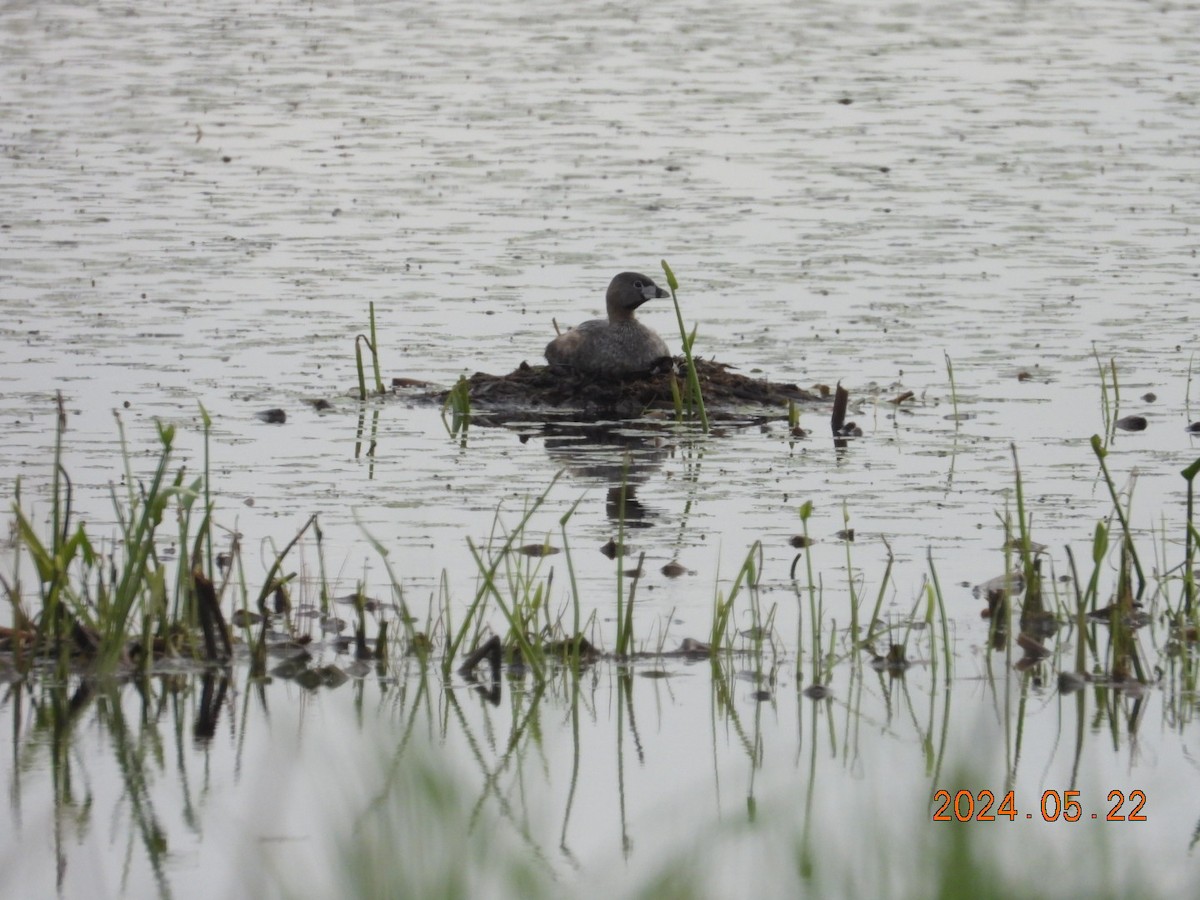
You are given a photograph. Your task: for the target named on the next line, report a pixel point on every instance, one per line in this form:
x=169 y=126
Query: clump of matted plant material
x=545 y=389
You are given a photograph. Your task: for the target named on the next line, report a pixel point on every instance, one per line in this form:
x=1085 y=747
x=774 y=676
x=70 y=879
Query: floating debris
x=333 y=625
x=673 y=569
x=846 y=535
x=800 y=541
x=293 y=665
x=538 y=389
x=420 y=645
x=1132 y=423
x=565 y=648
x=1188 y=634
x=816 y=692
x=283 y=602
x=404 y=383
x=244 y=618
x=1131 y=617
x=895 y=663
x=369 y=604
x=694 y=649
x=1149 y=397
x=612 y=549
x=322 y=676
x=272 y=416
x=537 y=550
x=1069 y=682
x=320 y=404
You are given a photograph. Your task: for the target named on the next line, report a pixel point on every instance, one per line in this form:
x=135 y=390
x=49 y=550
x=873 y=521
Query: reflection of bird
x=620 y=346
x=612 y=455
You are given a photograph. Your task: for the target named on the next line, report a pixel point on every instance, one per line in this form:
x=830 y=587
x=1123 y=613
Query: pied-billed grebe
x=620 y=346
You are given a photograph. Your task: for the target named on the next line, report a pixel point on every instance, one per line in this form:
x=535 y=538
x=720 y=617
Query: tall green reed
x=695 y=397
x=372 y=344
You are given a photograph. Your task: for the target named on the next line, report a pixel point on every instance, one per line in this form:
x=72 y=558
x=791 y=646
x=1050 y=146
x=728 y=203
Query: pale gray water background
x=197 y=204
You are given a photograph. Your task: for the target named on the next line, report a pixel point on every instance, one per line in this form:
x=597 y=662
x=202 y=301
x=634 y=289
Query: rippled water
x=200 y=202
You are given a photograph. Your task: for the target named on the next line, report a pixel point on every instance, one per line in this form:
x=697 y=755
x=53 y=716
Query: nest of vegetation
x=554 y=389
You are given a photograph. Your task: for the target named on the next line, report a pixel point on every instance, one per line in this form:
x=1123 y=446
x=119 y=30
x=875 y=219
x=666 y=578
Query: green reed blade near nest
x=373 y=345
x=695 y=397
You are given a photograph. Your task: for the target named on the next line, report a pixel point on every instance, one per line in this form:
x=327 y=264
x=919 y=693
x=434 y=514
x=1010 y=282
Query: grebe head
x=627 y=292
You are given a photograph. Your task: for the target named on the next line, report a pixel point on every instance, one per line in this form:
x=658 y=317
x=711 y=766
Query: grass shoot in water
x=695 y=397
x=372 y=344
x=953 y=389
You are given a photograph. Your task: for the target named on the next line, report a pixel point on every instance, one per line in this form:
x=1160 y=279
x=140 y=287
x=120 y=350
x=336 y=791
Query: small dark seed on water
x=612 y=549
x=1194 y=428
x=800 y=541
x=1150 y=397
x=673 y=569
x=1132 y=423
x=272 y=416
x=537 y=550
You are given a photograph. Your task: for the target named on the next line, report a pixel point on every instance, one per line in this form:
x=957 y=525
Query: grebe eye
x=638 y=285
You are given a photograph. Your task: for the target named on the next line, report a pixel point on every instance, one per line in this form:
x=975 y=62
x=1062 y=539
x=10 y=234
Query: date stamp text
x=981 y=806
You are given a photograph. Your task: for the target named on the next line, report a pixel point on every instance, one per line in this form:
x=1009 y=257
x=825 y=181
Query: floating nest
x=552 y=390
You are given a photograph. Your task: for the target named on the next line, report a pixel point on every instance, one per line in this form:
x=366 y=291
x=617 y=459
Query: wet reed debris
x=538 y=391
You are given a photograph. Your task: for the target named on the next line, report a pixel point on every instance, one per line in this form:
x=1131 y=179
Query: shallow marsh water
x=199 y=204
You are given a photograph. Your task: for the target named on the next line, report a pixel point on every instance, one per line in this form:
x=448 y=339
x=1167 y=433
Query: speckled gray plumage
x=620 y=345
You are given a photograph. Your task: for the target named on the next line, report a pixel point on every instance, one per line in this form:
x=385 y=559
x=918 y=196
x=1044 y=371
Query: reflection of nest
x=556 y=389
